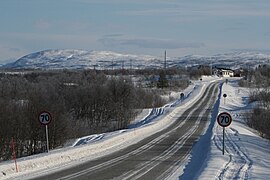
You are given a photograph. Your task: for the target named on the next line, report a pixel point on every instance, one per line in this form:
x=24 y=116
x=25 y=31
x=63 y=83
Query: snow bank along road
x=155 y=157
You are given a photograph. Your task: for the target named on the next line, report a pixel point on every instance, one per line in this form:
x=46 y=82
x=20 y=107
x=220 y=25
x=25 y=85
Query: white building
x=222 y=72
x=227 y=73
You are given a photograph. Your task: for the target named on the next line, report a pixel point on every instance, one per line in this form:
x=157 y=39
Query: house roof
x=223 y=69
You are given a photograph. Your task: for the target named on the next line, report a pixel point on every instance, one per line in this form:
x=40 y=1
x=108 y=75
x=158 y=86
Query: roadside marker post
x=14 y=154
x=224 y=119
x=45 y=118
x=182 y=95
x=224 y=95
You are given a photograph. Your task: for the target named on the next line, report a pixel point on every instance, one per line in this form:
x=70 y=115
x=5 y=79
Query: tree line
x=259 y=81
x=81 y=102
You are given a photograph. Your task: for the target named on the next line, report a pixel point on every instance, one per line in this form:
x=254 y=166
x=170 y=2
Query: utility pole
x=165 y=61
x=211 y=68
x=123 y=64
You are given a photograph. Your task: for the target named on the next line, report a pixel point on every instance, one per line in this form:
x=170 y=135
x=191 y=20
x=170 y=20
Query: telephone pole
x=165 y=61
x=130 y=64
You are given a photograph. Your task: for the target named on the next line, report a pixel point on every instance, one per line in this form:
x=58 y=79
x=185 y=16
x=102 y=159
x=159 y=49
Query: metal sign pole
x=14 y=154
x=224 y=119
x=45 y=118
x=223 y=140
x=47 y=138
x=224 y=95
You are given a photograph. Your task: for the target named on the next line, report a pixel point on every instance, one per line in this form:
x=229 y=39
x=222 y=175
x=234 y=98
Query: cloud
x=240 y=12
x=67 y=26
x=148 y=43
x=113 y=35
x=257 y=50
x=47 y=37
x=16 y=45
x=9 y=54
x=42 y=25
x=125 y=1
x=234 y=28
x=267 y=33
x=14 y=49
x=195 y=9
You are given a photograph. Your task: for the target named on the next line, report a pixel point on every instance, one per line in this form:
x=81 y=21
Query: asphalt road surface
x=155 y=157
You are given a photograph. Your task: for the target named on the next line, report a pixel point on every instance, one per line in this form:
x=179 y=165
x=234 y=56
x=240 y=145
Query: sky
x=182 y=27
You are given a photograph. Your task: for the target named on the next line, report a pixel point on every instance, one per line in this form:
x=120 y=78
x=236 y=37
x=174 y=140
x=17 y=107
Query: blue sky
x=183 y=27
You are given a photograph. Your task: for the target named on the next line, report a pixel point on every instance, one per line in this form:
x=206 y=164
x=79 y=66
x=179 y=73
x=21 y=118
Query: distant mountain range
x=80 y=59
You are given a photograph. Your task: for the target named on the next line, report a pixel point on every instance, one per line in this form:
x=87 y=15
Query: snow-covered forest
x=81 y=103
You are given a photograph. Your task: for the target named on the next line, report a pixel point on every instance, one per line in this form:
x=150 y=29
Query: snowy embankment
x=247 y=155
x=106 y=143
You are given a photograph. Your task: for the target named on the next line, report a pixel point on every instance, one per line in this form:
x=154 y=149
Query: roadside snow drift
x=102 y=144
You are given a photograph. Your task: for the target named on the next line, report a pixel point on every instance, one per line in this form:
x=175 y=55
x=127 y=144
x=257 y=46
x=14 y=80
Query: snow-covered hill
x=230 y=60
x=77 y=59
x=81 y=59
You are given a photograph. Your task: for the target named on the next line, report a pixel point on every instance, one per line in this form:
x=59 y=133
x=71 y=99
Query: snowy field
x=246 y=154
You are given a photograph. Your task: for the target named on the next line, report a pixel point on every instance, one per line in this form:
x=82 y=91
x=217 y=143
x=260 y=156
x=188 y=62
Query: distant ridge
x=81 y=59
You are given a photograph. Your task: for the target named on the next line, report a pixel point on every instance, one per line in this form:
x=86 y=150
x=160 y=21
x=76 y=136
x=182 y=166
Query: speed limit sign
x=224 y=119
x=44 y=117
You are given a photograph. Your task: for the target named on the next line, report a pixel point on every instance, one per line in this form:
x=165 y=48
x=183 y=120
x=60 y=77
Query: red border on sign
x=49 y=116
x=230 y=118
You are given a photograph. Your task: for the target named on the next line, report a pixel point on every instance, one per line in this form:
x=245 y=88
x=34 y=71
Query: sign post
x=45 y=118
x=182 y=95
x=224 y=95
x=224 y=119
x=47 y=137
x=14 y=154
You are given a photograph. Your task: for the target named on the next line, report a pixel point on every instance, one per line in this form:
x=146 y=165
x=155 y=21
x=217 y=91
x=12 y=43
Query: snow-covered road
x=109 y=143
x=247 y=155
x=156 y=156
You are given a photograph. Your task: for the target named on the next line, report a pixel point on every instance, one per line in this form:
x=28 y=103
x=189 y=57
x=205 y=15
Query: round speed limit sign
x=44 y=117
x=224 y=119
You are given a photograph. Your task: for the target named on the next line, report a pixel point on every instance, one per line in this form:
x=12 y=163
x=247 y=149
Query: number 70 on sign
x=44 y=117
x=224 y=119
